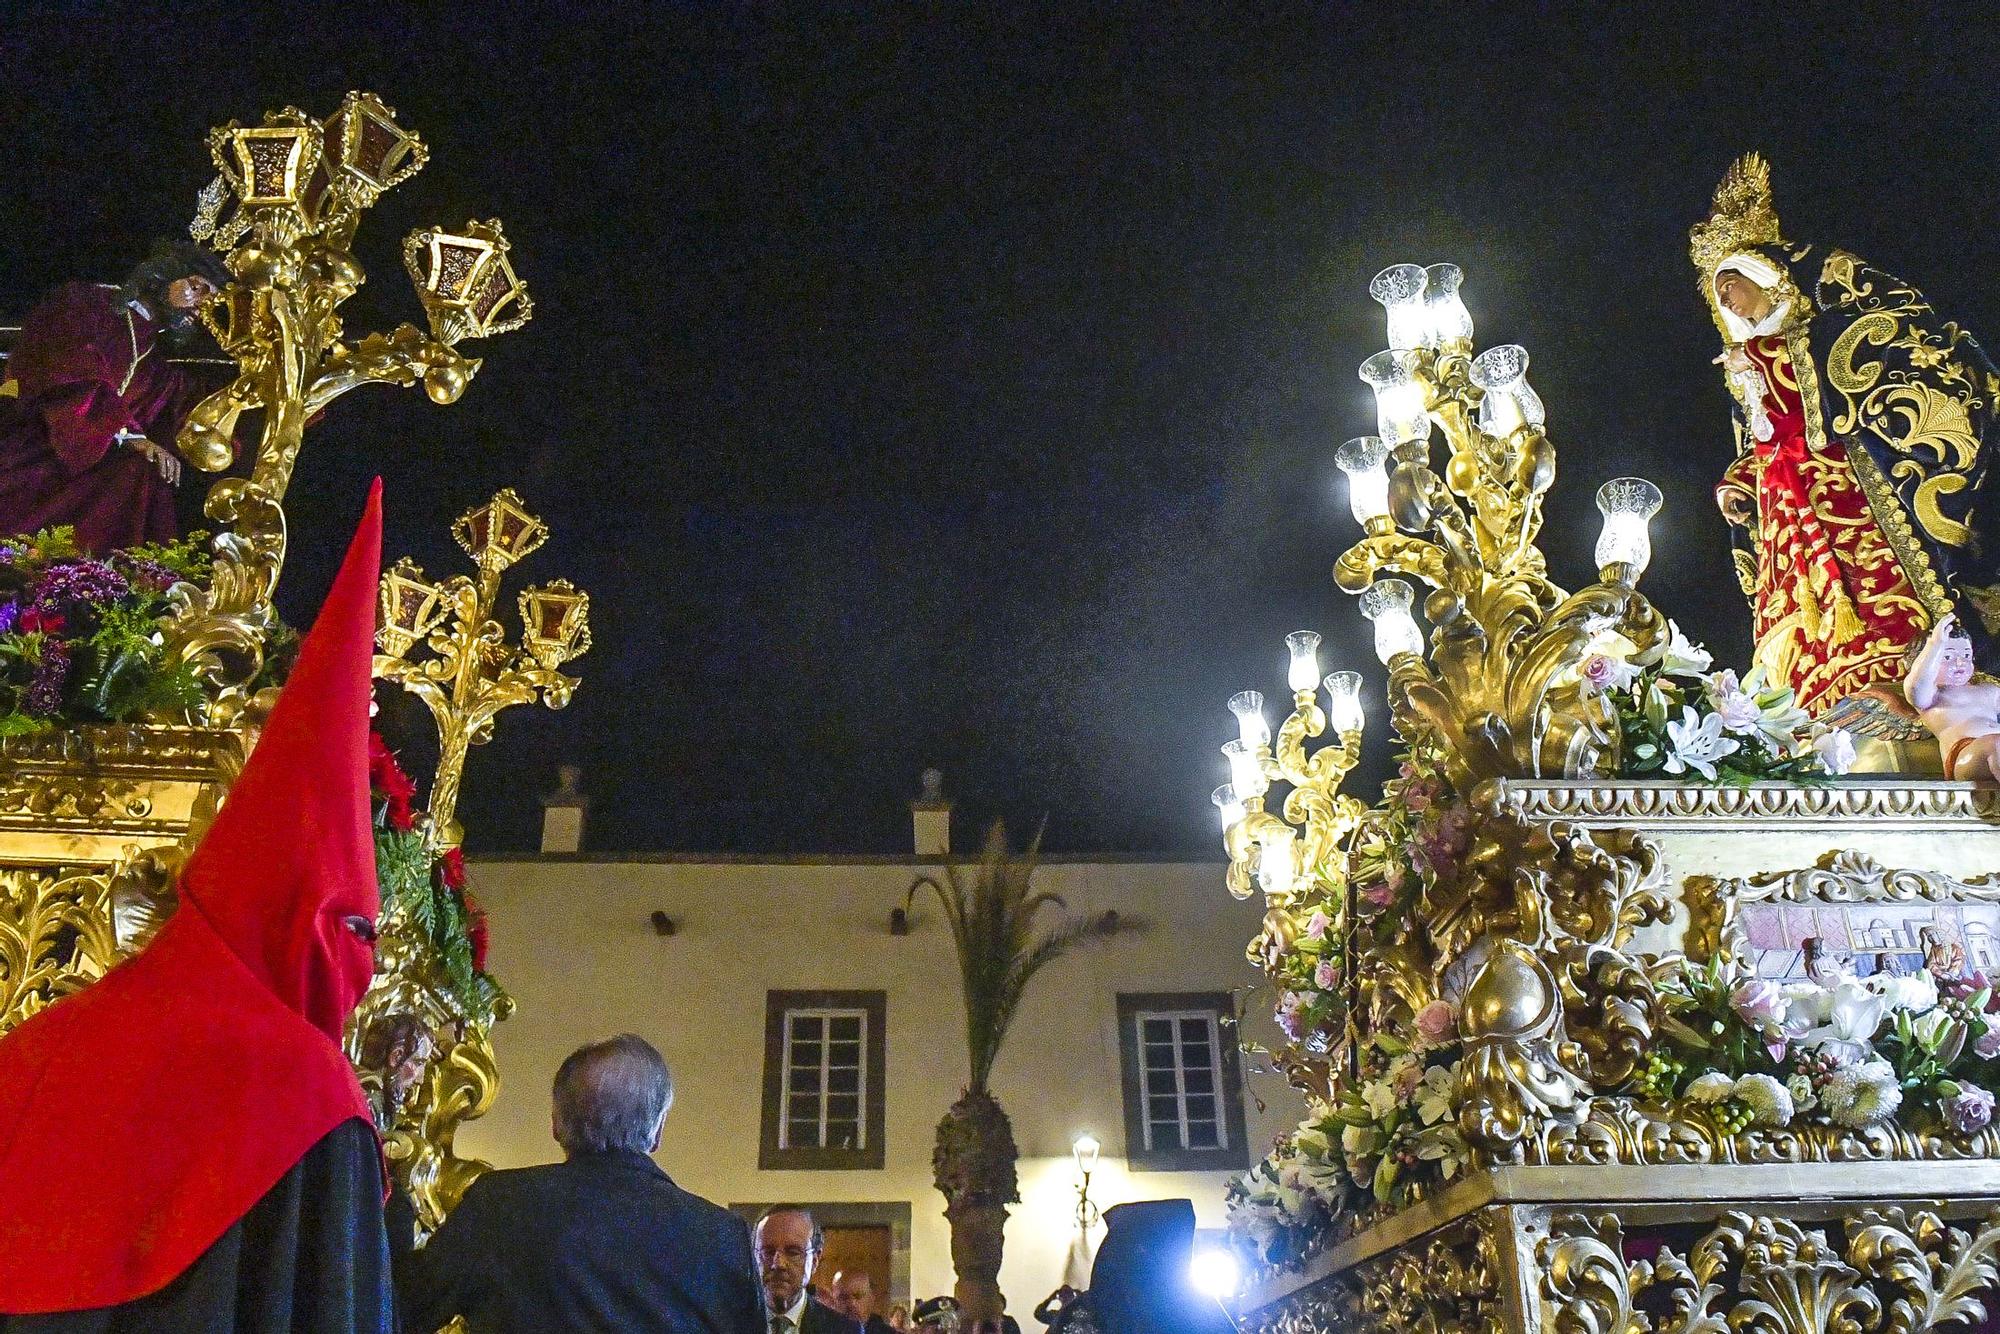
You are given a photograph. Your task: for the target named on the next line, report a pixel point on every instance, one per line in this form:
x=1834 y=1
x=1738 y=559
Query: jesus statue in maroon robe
x=88 y=441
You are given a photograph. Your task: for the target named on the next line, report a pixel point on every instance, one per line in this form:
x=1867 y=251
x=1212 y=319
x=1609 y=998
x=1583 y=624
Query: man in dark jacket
x=789 y=1244
x=601 y=1241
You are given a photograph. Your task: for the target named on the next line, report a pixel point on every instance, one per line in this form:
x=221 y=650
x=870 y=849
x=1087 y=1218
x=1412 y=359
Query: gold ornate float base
x=1847 y=1248
x=1590 y=1211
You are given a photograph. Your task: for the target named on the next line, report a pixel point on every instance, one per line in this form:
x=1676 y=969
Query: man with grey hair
x=600 y=1241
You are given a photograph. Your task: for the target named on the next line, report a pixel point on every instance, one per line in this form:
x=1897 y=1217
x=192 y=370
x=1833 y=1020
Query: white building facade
x=814 y=1049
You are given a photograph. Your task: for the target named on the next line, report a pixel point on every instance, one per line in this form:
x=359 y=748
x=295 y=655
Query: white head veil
x=1766 y=275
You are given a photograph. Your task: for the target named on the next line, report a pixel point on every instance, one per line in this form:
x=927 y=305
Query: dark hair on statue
x=169 y=262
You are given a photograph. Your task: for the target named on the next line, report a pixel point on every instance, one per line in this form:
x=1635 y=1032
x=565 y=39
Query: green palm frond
x=993 y=913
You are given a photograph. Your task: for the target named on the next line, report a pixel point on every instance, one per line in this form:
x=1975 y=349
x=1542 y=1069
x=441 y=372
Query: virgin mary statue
x=1860 y=493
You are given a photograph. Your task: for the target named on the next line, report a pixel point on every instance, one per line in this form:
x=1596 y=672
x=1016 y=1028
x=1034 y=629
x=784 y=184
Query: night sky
x=934 y=386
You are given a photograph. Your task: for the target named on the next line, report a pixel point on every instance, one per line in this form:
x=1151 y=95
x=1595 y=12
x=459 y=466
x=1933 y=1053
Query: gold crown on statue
x=1743 y=216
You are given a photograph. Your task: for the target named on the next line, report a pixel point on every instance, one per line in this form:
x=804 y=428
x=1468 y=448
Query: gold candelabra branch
x=471 y=673
x=283 y=209
x=1496 y=695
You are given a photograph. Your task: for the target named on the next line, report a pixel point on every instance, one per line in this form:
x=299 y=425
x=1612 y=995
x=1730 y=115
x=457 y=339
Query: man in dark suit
x=788 y=1250
x=852 y=1293
x=601 y=1241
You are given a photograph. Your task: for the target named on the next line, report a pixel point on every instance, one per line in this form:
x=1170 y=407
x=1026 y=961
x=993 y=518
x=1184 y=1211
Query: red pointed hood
x=143 y=1116
x=291 y=857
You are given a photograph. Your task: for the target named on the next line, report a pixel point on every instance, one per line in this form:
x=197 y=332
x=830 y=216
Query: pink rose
x=1380 y=895
x=1436 y=1023
x=1327 y=975
x=1316 y=925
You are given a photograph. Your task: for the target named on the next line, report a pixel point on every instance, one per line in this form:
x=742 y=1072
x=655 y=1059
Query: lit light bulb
x=1215 y=1273
x=1343 y=702
x=1230 y=808
x=1386 y=603
x=1399 y=397
x=1277 y=861
x=1628 y=505
x=1365 y=461
x=1246 y=774
x=1446 y=320
x=1400 y=289
x=1248 y=706
x=1304 y=671
x=1508 y=404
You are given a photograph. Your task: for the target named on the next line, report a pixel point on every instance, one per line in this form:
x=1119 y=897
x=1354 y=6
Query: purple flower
x=1378 y=895
x=149 y=575
x=76 y=581
x=1316 y=925
x=1987 y=1045
x=1291 y=1015
x=1970 y=1109
x=1758 y=1002
x=43 y=696
x=1327 y=976
x=10 y=616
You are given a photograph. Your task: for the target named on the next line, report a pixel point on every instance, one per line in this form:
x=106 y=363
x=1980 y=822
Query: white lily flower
x=1697 y=743
x=1678 y=655
x=1835 y=748
x=1851 y=1023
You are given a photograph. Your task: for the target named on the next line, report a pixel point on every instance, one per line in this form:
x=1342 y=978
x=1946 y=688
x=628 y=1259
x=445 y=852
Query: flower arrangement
x=80 y=637
x=1846 y=1051
x=1677 y=717
x=429 y=891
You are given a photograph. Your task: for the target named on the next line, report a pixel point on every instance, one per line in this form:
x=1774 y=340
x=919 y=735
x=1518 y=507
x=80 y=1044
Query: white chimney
x=930 y=817
x=563 y=811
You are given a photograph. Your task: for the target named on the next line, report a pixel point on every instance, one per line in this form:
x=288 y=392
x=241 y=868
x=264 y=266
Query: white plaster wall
x=572 y=942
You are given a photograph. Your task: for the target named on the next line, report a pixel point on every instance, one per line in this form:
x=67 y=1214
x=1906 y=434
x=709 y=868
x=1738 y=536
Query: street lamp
x=1085 y=1151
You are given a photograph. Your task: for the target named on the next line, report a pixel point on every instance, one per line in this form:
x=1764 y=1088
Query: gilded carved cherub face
x=1741 y=297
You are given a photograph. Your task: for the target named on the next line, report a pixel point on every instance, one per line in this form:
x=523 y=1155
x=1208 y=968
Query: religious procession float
x=136 y=665
x=1652 y=995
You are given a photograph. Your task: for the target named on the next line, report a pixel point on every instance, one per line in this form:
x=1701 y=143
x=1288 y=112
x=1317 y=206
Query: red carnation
x=34 y=619
x=388 y=781
x=475 y=930
x=451 y=869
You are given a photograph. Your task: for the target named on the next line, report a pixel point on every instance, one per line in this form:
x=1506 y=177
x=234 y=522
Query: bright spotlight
x=1215 y=1273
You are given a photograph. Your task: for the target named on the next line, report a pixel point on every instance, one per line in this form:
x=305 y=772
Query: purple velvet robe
x=89 y=365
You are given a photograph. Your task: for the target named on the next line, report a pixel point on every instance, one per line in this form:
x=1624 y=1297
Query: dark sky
x=959 y=386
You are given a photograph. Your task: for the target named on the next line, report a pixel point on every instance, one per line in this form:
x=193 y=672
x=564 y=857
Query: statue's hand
x=1735 y=360
x=1738 y=505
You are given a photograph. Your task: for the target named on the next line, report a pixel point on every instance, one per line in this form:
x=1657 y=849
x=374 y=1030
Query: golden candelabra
x=473 y=673
x=95 y=822
x=283 y=208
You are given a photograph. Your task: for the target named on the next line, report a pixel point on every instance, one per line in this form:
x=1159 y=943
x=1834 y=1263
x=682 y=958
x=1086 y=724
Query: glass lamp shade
x=1399 y=397
x=556 y=621
x=1386 y=603
x=1343 y=701
x=411 y=607
x=1248 y=706
x=1400 y=289
x=1085 y=1151
x=1628 y=505
x=1509 y=404
x=1277 y=861
x=1365 y=461
x=1446 y=320
x=500 y=532
x=1227 y=804
x=1304 y=671
x=1246 y=775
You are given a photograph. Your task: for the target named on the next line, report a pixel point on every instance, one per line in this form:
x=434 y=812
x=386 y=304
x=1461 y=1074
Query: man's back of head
x=612 y=1096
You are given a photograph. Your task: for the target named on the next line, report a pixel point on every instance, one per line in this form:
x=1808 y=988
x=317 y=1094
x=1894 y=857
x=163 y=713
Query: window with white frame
x=1183 y=1088
x=825 y=1079
x=823 y=1072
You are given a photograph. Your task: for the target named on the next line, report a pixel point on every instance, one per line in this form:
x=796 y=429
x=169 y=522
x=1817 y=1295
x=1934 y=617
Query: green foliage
x=405 y=872
x=992 y=914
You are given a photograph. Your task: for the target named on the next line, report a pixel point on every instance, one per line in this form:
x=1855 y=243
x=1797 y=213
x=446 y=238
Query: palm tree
x=992 y=921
